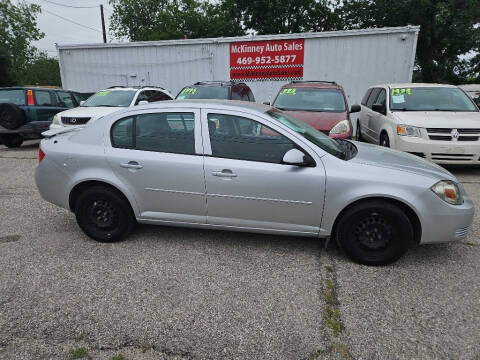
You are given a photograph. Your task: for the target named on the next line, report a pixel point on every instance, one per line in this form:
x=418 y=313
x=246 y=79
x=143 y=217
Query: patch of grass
x=471 y=243
x=330 y=298
x=329 y=284
x=329 y=268
x=79 y=337
x=146 y=347
x=78 y=353
x=316 y=354
x=119 y=357
x=332 y=320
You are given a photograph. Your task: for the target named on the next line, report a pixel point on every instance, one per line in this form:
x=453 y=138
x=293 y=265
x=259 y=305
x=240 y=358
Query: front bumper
x=445 y=222
x=441 y=152
x=29 y=130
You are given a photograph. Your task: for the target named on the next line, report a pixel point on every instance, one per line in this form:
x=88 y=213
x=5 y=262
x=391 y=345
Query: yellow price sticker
x=288 y=92
x=103 y=93
x=401 y=91
x=189 y=91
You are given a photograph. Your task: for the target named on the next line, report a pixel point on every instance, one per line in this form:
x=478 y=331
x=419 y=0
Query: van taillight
x=30 y=99
x=41 y=154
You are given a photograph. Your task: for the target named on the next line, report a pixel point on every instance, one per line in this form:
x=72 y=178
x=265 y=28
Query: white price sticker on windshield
x=398 y=99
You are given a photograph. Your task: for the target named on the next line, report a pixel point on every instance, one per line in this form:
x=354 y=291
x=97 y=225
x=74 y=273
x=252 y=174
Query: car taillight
x=41 y=155
x=30 y=99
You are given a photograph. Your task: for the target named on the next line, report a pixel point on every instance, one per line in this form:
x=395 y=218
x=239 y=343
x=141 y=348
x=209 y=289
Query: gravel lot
x=171 y=293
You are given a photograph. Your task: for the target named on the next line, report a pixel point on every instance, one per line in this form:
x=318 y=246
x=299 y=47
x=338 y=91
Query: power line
x=70 y=6
x=69 y=20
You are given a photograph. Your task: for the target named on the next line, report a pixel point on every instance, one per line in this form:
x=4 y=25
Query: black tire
x=374 y=232
x=11 y=116
x=358 y=133
x=104 y=214
x=384 y=140
x=11 y=140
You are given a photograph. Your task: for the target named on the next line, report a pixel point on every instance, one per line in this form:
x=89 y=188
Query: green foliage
x=286 y=16
x=6 y=77
x=41 y=71
x=449 y=30
x=118 y=357
x=18 y=28
x=171 y=19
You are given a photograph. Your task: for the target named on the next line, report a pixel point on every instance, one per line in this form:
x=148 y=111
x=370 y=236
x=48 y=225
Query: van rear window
x=16 y=96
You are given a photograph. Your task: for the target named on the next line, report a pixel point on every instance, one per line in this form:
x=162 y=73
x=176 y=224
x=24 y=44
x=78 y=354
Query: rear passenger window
x=236 y=137
x=122 y=133
x=165 y=132
x=65 y=99
x=365 y=97
x=42 y=98
x=381 y=99
x=372 y=97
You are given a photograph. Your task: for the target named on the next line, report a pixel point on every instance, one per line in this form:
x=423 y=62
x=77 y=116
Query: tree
x=448 y=31
x=171 y=19
x=287 y=16
x=42 y=70
x=6 y=77
x=18 y=28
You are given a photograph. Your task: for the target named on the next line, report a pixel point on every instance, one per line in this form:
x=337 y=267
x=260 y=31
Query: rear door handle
x=227 y=173
x=131 y=165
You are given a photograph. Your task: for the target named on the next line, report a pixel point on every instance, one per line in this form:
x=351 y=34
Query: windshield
x=309 y=133
x=111 y=98
x=430 y=99
x=16 y=97
x=204 y=92
x=304 y=99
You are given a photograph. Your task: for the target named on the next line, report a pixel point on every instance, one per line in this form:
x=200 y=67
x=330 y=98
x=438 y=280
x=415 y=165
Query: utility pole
x=103 y=24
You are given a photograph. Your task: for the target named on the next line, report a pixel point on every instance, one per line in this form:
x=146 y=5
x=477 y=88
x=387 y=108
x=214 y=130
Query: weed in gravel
x=146 y=347
x=119 y=357
x=471 y=243
x=79 y=337
x=330 y=298
x=329 y=284
x=329 y=268
x=332 y=320
x=78 y=353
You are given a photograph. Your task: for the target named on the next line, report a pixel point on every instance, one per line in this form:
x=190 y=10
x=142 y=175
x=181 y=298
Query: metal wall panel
x=355 y=59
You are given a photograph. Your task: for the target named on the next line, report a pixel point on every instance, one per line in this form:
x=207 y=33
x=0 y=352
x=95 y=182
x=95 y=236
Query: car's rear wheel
x=104 y=214
x=384 y=140
x=11 y=140
x=11 y=116
x=374 y=232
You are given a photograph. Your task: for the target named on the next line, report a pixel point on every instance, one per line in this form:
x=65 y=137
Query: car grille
x=462 y=232
x=448 y=134
x=420 y=154
x=74 y=120
x=453 y=157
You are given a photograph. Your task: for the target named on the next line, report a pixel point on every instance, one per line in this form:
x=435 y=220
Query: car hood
x=439 y=119
x=375 y=155
x=93 y=112
x=320 y=120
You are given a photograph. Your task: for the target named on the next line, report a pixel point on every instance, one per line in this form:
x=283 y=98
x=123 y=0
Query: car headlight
x=407 y=130
x=342 y=127
x=448 y=191
x=56 y=120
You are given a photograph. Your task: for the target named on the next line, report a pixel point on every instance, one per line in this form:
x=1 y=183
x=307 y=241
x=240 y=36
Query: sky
x=61 y=31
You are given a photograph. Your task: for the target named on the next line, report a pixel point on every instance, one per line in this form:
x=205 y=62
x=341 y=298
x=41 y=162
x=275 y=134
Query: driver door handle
x=227 y=173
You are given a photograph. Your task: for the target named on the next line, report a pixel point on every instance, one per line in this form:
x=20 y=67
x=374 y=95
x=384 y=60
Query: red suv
x=321 y=104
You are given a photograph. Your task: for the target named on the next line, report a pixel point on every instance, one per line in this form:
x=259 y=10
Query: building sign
x=267 y=60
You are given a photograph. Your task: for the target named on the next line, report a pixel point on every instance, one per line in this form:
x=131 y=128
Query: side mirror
x=266 y=102
x=294 y=157
x=379 y=108
x=82 y=102
x=143 y=102
x=355 y=108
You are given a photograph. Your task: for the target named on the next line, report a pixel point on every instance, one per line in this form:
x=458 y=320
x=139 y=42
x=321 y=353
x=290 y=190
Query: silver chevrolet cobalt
x=247 y=167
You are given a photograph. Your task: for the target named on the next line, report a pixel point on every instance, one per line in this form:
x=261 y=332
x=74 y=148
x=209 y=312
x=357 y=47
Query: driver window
x=236 y=137
x=381 y=99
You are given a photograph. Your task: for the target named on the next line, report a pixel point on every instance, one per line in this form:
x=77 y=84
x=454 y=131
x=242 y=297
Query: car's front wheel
x=104 y=214
x=374 y=232
x=384 y=140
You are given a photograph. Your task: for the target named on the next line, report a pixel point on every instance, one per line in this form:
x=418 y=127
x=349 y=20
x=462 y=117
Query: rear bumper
x=32 y=129
x=441 y=152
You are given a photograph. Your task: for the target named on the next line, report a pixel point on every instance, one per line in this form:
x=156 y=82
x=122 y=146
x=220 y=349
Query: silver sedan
x=247 y=167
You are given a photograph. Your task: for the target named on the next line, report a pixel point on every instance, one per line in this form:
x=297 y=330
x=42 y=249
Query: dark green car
x=26 y=112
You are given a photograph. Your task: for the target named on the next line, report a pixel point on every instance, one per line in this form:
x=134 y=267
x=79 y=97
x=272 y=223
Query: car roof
x=317 y=84
x=204 y=103
x=413 y=85
x=36 y=87
x=217 y=83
